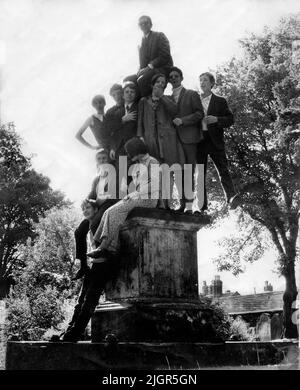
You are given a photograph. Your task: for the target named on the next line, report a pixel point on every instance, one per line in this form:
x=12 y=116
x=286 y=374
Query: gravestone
x=154 y=296
x=276 y=326
x=263 y=327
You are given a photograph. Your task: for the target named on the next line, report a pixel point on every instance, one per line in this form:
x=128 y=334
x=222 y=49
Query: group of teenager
x=150 y=129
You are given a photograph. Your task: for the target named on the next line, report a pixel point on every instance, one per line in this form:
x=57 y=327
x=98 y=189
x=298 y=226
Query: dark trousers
x=206 y=148
x=92 y=288
x=190 y=153
x=144 y=81
x=84 y=227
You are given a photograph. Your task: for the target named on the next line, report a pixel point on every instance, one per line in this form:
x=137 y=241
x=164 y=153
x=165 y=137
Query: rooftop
x=254 y=303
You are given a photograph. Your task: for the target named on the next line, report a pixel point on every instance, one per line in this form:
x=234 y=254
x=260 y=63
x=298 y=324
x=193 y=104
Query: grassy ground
x=2 y=335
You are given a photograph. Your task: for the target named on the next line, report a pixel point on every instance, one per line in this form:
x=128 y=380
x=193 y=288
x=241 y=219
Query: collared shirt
x=102 y=185
x=176 y=93
x=205 y=103
x=129 y=106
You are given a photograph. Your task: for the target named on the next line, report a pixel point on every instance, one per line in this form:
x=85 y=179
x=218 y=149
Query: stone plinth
x=38 y=355
x=155 y=293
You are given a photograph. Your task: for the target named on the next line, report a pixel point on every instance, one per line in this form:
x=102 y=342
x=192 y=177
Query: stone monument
x=154 y=296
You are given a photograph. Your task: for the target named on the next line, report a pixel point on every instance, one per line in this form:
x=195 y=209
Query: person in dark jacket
x=188 y=124
x=217 y=117
x=124 y=124
x=154 y=56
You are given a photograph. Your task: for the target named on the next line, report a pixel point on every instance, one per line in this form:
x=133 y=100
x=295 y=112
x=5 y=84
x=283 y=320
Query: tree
x=25 y=196
x=52 y=253
x=263 y=89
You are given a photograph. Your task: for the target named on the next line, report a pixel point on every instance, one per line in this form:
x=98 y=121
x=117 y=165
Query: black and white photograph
x=149 y=188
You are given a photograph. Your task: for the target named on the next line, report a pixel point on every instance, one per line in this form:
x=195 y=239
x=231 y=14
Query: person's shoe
x=70 y=337
x=235 y=201
x=82 y=272
x=103 y=253
x=96 y=253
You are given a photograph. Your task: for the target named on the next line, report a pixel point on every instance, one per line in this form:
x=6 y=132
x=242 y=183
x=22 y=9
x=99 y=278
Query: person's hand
x=157 y=91
x=177 y=121
x=142 y=71
x=211 y=119
x=131 y=116
x=112 y=154
x=126 y=198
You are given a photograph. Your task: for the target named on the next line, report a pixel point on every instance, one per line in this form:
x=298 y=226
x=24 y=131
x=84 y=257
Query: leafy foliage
x=25 y=196
x=263 y=89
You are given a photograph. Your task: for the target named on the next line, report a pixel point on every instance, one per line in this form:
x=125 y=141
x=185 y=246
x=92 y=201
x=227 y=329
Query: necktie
x=127 y=109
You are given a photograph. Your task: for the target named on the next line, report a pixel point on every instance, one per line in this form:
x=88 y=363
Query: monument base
x=30 y=355
x=155 y=321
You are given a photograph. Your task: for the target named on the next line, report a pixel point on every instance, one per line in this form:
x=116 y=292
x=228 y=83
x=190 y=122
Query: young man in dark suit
x=217 y=117
x=188 y=124
x=154 y=56
x=125 y=121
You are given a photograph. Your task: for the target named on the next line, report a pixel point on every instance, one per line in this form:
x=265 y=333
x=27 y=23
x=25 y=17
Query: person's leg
x=80 y=300
x=103 y=207
x=188 y=179
x=99 y=276
x=81 y=247
x=202 y=156
x=111 y=222
x=221 y=163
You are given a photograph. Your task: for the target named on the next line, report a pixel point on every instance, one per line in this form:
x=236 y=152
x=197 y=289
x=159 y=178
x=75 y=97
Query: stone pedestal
x=154 y=296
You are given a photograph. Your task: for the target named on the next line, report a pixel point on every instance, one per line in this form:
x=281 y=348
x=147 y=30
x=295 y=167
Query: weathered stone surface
x=156 y=321
x=263 y=327
x=101 y=356
x=276 y=326
x=158 y=256
x=156 y=286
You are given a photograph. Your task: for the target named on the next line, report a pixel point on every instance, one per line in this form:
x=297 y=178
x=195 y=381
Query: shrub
x=30 y=316
x=239 y=330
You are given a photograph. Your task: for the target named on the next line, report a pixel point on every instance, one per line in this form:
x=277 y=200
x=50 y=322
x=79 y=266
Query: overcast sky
x=55 y=55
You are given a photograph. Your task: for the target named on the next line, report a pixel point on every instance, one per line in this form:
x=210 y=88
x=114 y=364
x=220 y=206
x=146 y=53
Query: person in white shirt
x=217 y=117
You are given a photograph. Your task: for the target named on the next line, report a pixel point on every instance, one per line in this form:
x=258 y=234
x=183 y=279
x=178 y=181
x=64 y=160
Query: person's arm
x=197 y=113
x=79 y=134
x=226 y=120
x=164 y=54
x=140 y=124
x=93 y=192
x=170 y=105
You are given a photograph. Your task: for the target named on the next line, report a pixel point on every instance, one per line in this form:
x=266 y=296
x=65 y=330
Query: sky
x=55 y=55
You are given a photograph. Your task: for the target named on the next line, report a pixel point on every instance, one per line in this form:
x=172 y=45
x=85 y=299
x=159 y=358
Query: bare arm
x=79 y=134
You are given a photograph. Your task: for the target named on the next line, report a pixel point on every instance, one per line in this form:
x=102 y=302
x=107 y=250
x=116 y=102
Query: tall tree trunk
x=4 y=287
x=289 y=297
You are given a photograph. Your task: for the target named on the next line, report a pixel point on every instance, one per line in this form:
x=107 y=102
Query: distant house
x=263 y=311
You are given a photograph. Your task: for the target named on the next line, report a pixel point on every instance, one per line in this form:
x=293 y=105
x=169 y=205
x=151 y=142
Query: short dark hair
x=115 y=87
x=156 y=77
x=210 y=76
x=136 y=146
x=131 y=85
x=91 y=202
x=147 y=17
x=175 y=69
